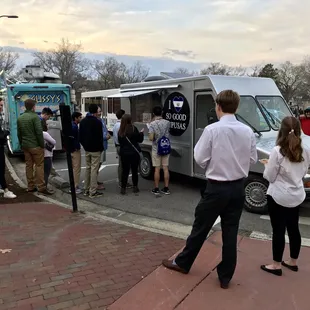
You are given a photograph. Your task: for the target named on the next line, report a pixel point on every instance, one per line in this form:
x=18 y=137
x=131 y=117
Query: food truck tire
x=146 y=167
x=255 y=194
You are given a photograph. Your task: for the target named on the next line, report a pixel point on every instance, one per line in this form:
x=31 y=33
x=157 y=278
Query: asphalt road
x=178 y=207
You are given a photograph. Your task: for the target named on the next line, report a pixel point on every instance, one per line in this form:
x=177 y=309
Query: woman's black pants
x=130 y=162
x=282 y=219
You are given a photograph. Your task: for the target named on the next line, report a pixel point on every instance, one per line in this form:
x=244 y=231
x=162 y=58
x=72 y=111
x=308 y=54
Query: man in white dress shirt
x=226 y=149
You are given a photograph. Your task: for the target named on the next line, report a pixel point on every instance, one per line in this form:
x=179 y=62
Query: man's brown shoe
x=169 y=264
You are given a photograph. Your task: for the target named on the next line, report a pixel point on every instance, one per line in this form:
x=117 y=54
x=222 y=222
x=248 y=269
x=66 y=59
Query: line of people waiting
x=91 y=132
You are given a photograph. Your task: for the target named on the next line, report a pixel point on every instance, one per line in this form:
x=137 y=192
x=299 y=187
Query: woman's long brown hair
x=126 y=127
x=289 y=139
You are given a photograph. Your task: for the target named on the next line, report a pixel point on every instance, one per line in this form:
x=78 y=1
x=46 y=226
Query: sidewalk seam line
x=197 y=284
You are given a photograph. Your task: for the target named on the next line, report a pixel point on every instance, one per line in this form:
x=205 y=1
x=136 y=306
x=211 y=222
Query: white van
x=188 y=103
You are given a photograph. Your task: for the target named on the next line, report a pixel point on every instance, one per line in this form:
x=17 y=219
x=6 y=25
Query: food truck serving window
x=142 y=107
x=248 y=110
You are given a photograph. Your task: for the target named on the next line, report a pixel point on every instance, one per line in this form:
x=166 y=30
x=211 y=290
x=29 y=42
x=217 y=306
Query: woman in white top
x=287 y=165
x=49 y=144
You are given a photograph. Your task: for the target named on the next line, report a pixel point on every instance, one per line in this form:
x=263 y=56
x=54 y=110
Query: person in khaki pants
x=76 y=150
x=91 y=138
x=30 y=135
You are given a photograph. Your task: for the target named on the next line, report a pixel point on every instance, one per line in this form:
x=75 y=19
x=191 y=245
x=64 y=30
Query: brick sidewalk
x=61 y=260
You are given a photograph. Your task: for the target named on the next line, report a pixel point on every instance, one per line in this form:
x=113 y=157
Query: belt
x=117 y=145
x=224 y=182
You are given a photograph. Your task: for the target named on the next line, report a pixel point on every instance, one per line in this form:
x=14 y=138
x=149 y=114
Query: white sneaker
x=9 y=195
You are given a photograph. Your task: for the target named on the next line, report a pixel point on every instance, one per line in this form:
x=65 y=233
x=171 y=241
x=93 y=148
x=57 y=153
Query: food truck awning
x=132 y=93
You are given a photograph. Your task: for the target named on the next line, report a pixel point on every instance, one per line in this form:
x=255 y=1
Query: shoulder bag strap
x=133 y=145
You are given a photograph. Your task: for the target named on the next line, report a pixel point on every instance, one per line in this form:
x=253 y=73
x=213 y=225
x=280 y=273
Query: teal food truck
x=49 y=95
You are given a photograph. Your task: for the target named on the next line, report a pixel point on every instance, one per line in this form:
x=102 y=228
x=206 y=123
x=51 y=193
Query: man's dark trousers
x=224 y=199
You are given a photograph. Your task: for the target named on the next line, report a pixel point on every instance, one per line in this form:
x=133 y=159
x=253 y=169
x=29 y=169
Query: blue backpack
x=163 y=146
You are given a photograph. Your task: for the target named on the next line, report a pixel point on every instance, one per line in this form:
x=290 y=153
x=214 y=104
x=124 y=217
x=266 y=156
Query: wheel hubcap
x=255 y=194
x=145 y=167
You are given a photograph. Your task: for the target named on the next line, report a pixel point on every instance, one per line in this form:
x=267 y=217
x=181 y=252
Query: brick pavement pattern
x=60 y=260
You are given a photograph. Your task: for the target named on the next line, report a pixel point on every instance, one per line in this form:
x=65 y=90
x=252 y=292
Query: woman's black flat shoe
x=293 y=268
x=276 y=272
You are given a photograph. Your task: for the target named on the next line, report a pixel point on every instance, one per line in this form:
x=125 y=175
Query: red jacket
x=305 y=124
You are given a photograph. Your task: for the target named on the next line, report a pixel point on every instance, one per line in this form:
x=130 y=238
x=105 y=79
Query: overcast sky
x=234 y=32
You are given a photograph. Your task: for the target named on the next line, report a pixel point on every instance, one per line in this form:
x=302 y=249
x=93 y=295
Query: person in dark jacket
x=129 y=138
x=3 y=140
x=91 y=138
x=76 y=150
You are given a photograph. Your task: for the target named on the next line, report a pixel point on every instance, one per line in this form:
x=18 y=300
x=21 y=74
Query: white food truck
x=109 y=106
x=189 y=104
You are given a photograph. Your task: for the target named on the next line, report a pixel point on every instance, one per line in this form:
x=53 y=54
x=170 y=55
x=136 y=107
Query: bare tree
x=216 y=68
x=255 y=71
x=8 y=60
x=290 y=79
x=111 y=73
x=305 y=88
x=135 y=73
x=182 y=70
x=66 y=60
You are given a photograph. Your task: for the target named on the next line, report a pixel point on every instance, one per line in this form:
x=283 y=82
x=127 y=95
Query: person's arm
x=47 y=137
x=203 y=149
x=151 y=133
x=38 y=131
x=81 y=133
x=115 y=132
x=272 y=167
x=121 y=140
x=106 y=135
x=306 y=156
x=138 y=136
x=253 y=159
x=100 y=133
x=19 y=132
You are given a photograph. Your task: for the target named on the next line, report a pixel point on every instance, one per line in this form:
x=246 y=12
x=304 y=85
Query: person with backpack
x=159 y=134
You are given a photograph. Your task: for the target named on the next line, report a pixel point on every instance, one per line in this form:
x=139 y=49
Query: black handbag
x=49 y=146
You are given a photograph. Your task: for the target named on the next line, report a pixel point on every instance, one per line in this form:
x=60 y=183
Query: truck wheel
x=255 y=195
x=146 y=167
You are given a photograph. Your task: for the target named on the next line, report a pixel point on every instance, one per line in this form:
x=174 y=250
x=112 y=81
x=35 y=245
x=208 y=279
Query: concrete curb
x=13 y=174
x=58 y=182
x=91 y=210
